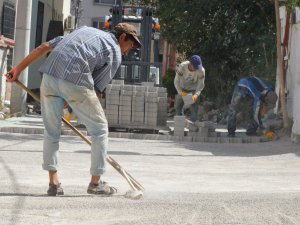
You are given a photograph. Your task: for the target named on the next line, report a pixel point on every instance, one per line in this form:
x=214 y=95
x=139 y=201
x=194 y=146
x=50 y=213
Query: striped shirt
x=86 y=57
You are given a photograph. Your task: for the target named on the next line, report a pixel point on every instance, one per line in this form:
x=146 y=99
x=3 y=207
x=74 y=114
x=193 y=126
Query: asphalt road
x=186 y=183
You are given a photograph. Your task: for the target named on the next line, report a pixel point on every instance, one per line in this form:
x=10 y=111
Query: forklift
x=144 y=64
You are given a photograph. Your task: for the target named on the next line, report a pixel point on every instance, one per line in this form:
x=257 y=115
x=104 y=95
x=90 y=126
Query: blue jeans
x=87 y=108
x=236 y=99
x=193 y=107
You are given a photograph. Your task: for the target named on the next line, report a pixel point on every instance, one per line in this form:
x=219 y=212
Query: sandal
x=101 y=189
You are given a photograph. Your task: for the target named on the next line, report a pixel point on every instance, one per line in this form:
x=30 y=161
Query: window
x=8 y=20
x=39 y=24
x=8 y=27
x=98 y=22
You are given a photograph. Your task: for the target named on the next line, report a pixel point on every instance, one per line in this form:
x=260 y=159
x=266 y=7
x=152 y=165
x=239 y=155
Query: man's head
x=270 y=100
x=127 y=37
x=196 y=62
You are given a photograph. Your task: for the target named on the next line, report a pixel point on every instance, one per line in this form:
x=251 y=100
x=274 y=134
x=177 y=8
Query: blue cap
x=196 y=61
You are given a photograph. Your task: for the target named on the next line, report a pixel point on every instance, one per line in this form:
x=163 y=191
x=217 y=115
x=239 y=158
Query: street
x=186 y=183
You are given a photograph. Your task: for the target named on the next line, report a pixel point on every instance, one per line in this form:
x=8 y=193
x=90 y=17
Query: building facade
x=293 y=70
x=95 y=12
x=47 y=16
x=7 y=29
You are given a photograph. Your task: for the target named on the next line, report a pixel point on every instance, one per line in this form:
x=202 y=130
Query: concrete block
x=125 y=98
x=112 y=92
x=112 y=101
x=199 y=139
x=138 y=93
x=179 y=118
x=125 y=108
x=138 y=98
x=108 y=87
x=115 y=87
x=152 y=89
x=142 y=89
x=179 y=133
x=117 y=82
x=212 y=133
x=148 y=84
x=126 y=93
x=188 y=100
x=125 y=113
x=162 y=94
x=212 y=140
x=152 y=94
x=138 y=108
x=112 y=97
x=150 y=114
x=151 y=99
x=151 y=107
x=151 y=123
x=138 y=114
x=127 y=87
x=187 y=139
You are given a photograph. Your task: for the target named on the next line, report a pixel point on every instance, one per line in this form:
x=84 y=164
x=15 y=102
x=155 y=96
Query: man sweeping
x=79 y=65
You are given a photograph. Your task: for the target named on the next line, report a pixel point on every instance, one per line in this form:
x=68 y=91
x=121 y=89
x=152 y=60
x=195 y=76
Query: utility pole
x=22 y=39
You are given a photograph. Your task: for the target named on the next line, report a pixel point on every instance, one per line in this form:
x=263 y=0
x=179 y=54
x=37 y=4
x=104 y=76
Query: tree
x=234 y=38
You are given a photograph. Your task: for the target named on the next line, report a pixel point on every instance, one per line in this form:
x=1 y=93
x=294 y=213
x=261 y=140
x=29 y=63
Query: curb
x=139 y=136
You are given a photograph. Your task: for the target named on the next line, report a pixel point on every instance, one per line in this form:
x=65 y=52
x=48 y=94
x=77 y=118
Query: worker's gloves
x=183 y=94
x=195 y=97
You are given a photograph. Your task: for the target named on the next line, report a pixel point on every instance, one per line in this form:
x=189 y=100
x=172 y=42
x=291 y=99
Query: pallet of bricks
x=139 y=106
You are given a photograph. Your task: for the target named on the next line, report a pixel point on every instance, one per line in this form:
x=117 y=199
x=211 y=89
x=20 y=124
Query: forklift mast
x=137 y=66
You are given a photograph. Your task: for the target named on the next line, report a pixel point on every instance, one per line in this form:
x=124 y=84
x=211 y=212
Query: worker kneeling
x=263 y=99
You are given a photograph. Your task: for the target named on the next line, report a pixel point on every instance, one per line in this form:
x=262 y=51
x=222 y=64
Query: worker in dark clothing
x=264 y=99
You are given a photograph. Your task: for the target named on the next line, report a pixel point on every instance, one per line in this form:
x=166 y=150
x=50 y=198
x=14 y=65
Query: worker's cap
x=196 y=62
x=270 y=99
x=128 y=29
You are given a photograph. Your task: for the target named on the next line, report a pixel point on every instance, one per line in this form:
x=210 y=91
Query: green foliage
x=168 y=82
x=290 y=4
x=234 y=39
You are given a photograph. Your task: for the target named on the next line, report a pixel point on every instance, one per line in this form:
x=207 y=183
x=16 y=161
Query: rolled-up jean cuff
x=97 y=172
x=50 y=167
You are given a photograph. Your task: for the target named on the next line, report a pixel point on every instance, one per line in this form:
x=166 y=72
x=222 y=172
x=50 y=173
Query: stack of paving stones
x=162 y=106
x=179 y=125
x=138 y=105
x=113 y=101
x=206 y=132
x=151 y=106
x=141 y=106
x=125 y=104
